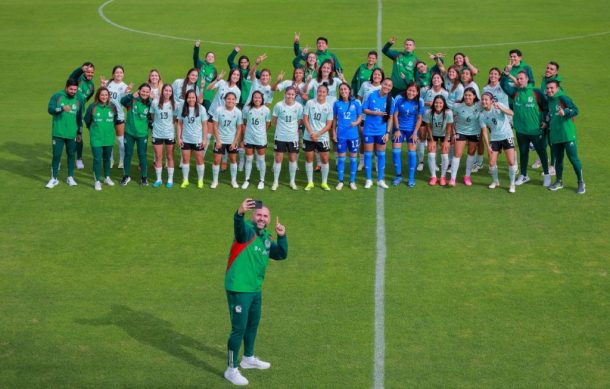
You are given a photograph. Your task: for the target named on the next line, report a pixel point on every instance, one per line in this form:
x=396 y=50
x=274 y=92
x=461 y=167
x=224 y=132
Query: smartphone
x=258 y=204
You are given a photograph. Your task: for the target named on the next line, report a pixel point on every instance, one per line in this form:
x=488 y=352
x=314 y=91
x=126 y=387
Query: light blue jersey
x=256 y=120
x=431 y=94
x=466 y=118
x=192 y=125
x=219 y=99
x=163 y=120
x=497 y=122
x=318 y=115
x=438 y=121
x=499 y=95
x=228 y=121
x=287 y=125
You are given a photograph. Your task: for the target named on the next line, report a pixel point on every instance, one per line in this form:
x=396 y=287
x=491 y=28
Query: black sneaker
x=144 y=181
x=581 y=188
x=125 y=180
x=556 y=186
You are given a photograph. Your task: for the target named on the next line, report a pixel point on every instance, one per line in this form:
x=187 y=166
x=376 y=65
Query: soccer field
x=124 y=287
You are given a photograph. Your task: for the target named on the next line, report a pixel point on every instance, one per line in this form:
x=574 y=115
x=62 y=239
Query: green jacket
x=249 y=256
x=85 y=87
x=100 y=120
x=403 y=69
x=207 y=72
x=562 y=128
x=66 y=124
x=363 y=73
x=529 y=103
x=524 y=67
x=545 y=80
x=137 y=115
x=246 y=83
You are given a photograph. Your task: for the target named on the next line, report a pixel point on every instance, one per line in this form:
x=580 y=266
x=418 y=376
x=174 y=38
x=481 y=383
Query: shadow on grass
x=150 y=330
x=30 y=158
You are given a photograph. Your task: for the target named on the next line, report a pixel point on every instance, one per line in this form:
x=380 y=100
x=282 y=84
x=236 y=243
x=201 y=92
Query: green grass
x=124 y=288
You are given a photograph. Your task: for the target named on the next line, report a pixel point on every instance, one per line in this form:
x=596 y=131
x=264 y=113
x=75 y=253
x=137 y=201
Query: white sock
x=241 y=154
x=512 y=172
x=185 y=171
x=249 y=159
x=469 y=162
x=493 y=170
x=200 y=171
x=444 y=164
x=277 y=168
x=233 y=168
x=121 y=141
x=158 y=171
x=421 y=149
x=215 y=171
x=170 y=174
x=309 y=171
x=292 y=169
x=455 y=165
x=480 y=159
x=432 y=164
x=324 y=170
x=262 y=166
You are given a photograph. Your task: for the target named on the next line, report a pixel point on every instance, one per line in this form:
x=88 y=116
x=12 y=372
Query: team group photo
x=313 y=195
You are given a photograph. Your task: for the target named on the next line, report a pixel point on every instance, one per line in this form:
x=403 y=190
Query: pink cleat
x=443 y=181
x=467 y=181
x=452 y=182
x=432 y=181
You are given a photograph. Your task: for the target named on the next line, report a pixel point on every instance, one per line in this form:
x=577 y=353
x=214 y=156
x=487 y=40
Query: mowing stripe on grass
x=106 y=19
x=379 y=369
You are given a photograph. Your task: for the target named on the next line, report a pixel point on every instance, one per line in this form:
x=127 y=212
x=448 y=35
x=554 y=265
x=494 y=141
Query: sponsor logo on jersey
x=530 y=99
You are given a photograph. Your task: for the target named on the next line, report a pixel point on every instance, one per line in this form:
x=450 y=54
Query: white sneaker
x=233 y=375
x=261 y=185
x=353 y=186
x=234 y=184
x=214 y=184
x=360 y=165
x=253 y=363
x=521 y=180
x=108 y=181
x=120 y=165
x=382 y=184
x=547 y=181
x=79 y=164
x=494 y=185
x=274 y=186
x=293 y=186
x=97 y=185
x=537 y=164
x=245 y=185
x=339 y=186
x=368 y=184
x=552 y=170
x=53 y=182
x=71 y=181
x=511 y=189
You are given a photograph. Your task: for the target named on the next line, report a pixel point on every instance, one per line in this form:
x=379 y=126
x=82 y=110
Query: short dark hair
x=373 y=52
x=516 y=51
x=321 y=38
x=90 y=64
x=554 y=63
x=553 y=82
x=71 y=82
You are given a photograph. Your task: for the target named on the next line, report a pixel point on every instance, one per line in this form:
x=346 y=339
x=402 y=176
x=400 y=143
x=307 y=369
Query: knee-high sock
x=455 y=165
x=397 y=161
x=215 y=172
x=249 y=159
x=380 y=165
x=158 y=172
x=200 y=172
x=324 y=167
x=368 y=165
x=493 y=170
x=262 y=166
x=341 y=168
x=432 y=164
x=185 y=171
x=233 y=169
x=412 y=164
x=353 y=168
x=121 y=142
x=277 y=168
x=292 y=170
x=421 y=149
x=170 y=174
x=444 y=164
x=512 y=171
x=469 y=163
x=309 y=171
x=241 y=153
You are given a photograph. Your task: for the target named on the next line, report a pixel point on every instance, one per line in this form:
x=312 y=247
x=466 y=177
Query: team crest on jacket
x=238 y=309
x=267 y=244
x=530 y=99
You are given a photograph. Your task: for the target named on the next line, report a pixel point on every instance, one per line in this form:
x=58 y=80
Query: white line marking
x=379 y=370
x=106 y=19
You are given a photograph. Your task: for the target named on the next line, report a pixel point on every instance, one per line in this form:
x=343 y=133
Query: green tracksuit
x=207 y=74
x=363 y=73
x=136 y=131
x=403 y=69
x=64 y=129
x=320 y=55
x=248 y=260
x=86 y=88
x=246 y=83
x=545 y=80
x=100 y=120
x=563 y=133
